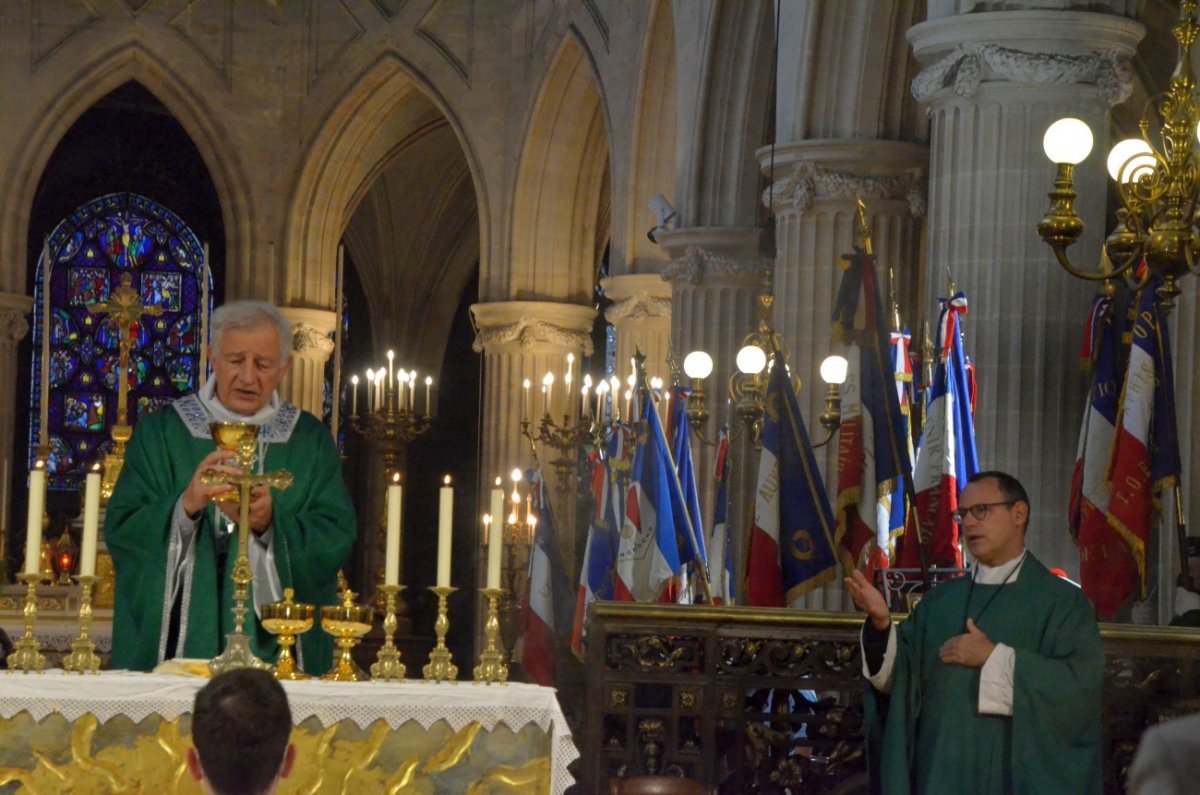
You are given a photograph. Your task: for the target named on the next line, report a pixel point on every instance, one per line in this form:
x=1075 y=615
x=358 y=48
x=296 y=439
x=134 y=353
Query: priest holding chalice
x=171 y=529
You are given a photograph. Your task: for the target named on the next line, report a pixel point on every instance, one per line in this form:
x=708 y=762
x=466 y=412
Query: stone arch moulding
x=559 y=180
x=652 y=148
x=79 y=91
x=334 y=172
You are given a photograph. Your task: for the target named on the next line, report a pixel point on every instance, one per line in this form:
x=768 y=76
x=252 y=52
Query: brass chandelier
x=1158 y=181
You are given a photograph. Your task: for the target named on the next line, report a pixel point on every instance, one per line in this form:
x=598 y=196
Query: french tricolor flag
x=546 y=606
x=600 y=554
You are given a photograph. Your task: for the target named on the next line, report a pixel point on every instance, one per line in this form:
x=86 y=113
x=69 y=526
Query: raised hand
x=868 y=599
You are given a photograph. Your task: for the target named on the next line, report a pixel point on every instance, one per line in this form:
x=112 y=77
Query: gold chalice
x=287 y=619
x=347 y=622
x=236 y=437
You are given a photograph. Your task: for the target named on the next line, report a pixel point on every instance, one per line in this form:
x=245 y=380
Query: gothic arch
x=652 y=154
x=559 y=218
x=352 y=148
x=79 y=91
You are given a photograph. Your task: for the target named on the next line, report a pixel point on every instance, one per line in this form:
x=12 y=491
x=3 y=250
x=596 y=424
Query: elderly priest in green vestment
x=173 y=539
x=992 y=685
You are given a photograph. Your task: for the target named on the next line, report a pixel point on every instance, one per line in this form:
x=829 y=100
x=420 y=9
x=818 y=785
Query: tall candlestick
x=44 y=413
x=91 y=523
x=428 y=389
x=337 y=344
x=495 y=536
x=33 y=526
x=392 y=552
x=202 y=376
x=445 y=520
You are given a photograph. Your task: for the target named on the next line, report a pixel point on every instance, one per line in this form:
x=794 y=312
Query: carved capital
x=698 y=265
x=638 y=306
x=529 y=331
x=13 y=325
x=969 y=65
x=807 y=181
x=309 y=341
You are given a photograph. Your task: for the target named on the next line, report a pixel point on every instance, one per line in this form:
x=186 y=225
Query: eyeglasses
x=979 y=510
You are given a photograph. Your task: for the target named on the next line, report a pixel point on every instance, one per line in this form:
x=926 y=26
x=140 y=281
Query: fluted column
x=13 y=327
x=992 y=90
x=523 y=340
x=641 y=313
x=311 y=348
x=716 y=275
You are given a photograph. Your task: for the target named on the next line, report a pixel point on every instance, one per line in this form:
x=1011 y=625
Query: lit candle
x=525 y=402
x=445 y=520
x=548 y=384
x=354 y=396
x=495 y=536
x=412 y=389
x=568 y=379
x=401 y=380
x=391 y=355
x=33 y=527
x=584 y=405
x=516 y=497
x=392 y=551
x=428 y=389
x=370 y=390
x=91 y=523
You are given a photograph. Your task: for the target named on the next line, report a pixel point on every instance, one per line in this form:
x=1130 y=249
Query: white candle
x=33 y=527
x=445 y=520
x=203 y=374
x=428 y=388
x=525 y=402
x=91 y=523
x=495 y=536
x=392 y=552
x=370 y=390
x=354 y=396
x=401 y=380
x=391 y=355
x=44 y=414
x=548 y=384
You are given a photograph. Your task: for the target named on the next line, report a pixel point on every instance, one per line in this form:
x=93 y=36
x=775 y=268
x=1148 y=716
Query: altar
x=120 y=731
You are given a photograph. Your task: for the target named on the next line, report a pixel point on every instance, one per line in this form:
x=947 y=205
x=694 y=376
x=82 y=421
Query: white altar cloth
x=138 y=695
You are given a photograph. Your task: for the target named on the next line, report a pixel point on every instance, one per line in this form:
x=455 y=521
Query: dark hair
x=240 y=726
x=1009 y=486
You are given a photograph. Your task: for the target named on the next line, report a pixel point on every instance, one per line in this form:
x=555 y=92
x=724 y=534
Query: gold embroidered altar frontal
x=129 y=732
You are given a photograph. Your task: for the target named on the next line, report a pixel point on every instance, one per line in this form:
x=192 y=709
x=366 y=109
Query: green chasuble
x=313 y=528
x=933 y=738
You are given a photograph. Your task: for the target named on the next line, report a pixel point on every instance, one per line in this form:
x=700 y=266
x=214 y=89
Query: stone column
x=716 y=276
x=992 y=89
x=312 y=346
x=523 y=340
x=641 y=313
x=13 y=327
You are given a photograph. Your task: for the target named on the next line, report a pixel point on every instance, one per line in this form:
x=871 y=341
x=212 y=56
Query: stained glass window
x=91 y=251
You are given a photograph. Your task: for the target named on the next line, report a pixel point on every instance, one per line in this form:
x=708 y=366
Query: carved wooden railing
x=753 y=700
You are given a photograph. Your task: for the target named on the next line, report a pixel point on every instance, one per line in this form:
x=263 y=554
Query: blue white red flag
x=1146 y=451
x=685 y=470
x=1106 y=569
x=720 y=550
x=547 y=604
x=792 y=542
x=947 y=457
x=600 y=554
x=657 y=536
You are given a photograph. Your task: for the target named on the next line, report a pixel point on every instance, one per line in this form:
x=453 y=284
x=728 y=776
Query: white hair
x=247 y=314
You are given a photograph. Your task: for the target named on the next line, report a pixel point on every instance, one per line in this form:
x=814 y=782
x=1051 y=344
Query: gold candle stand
x=387 y=665
x=441 y=668
x=25 y=656
x=83 y=658
x=492 y=667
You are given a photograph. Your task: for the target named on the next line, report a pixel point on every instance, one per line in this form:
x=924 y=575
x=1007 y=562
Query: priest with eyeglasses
x=992 y=684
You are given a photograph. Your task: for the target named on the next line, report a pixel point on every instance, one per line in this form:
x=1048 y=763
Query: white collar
x=997 y=575
x=219 y=413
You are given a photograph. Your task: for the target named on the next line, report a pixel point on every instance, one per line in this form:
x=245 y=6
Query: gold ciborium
x=347 y=622
x=240 y=438
x=287 y=619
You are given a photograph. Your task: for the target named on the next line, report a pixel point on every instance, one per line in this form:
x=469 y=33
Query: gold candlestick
x=441 y=667
x=83 y=658
x=25 y=656
x=492 y=667
x=387 y=665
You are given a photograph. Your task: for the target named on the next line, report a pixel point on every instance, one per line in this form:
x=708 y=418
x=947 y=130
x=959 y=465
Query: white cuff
x=1185 y=600
x=996 y=682
x=881 y=680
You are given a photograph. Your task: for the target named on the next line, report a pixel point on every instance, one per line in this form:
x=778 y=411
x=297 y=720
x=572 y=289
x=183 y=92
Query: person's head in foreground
x=240 y=728
x=251 y=354
x=994 y=510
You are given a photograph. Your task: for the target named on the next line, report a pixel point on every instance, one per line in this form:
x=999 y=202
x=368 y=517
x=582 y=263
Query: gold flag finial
x=864 y=231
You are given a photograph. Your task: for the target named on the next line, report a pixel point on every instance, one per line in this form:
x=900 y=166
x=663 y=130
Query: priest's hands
x=972 y=648
x=868 y=599
x=197 y=495
x=262 y=509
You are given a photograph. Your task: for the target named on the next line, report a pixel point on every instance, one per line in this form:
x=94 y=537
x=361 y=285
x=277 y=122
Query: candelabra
x=514 y=567
x=1158 y=185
